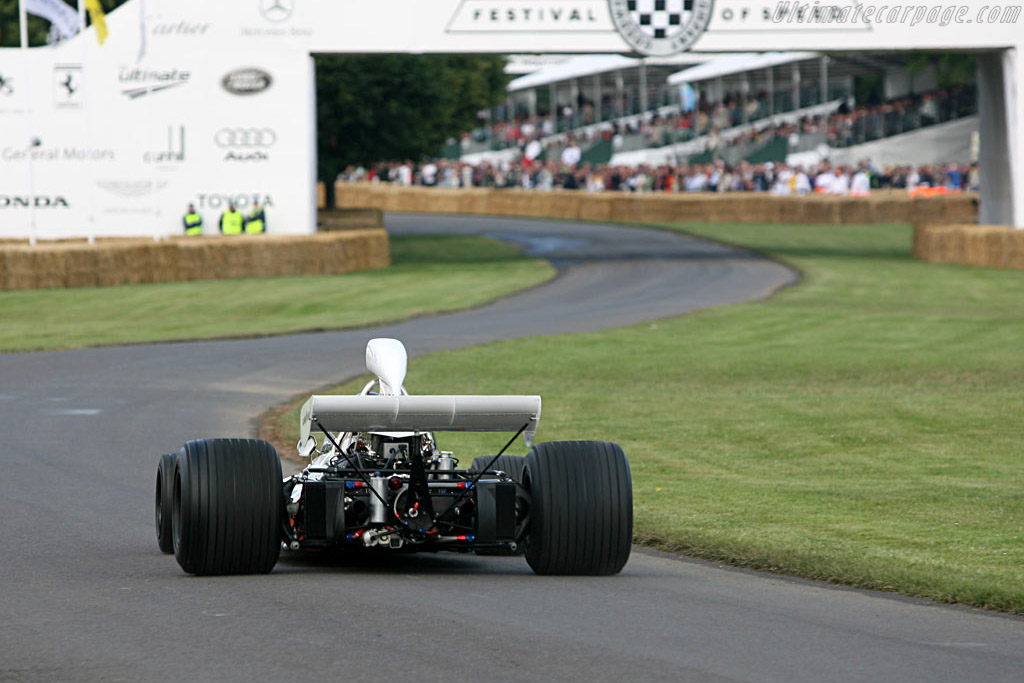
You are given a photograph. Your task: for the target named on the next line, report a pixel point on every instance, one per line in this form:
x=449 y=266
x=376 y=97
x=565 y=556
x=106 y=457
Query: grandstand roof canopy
x=577 y=67
x=736 y=64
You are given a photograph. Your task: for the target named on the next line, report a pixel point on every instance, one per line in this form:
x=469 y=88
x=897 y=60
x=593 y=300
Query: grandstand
x=795 y=107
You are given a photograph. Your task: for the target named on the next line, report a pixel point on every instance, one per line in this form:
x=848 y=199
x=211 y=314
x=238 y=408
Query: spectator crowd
x=774 y=177
x=543 y=158
x=848 y=125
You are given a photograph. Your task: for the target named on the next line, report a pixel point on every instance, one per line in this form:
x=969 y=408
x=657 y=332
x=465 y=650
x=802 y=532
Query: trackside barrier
x=896 y=207
x=127 y=261
x=349 y=219
x=945 y=223
x=976 y=245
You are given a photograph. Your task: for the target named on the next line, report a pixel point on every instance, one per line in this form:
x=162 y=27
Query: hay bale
x=596 y=207
x=975 y=246
x=856 y=211
x=819 y=210
x=38 y=267
x=926 y=245
x=127 y=262
x=513 y=202
x=472 y=201
x=1014 y=249
x=164 y=266
x=443 y=200
x=964 y=207
x=205 y=260
x=958 y=209
x=353 y=251
x=349 y=219
x=321 y=195
x=81 y=265
x=715 y=209
x=947 y=244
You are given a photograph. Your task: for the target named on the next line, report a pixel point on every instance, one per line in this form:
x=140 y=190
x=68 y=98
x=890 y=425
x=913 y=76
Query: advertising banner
x=102 y=141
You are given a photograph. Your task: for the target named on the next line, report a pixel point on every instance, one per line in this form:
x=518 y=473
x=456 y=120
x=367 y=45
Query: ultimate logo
x=661 y=27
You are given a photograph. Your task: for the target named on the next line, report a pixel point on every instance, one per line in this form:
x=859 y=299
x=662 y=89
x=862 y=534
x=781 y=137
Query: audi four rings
x=245 y=137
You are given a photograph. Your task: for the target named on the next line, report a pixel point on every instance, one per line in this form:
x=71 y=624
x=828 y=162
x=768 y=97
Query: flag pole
x=23 y=30
x=81 y=43
x=23 y=24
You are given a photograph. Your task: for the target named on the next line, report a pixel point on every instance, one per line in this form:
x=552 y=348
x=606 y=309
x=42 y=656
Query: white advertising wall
x=118 y=139
x=199 y=101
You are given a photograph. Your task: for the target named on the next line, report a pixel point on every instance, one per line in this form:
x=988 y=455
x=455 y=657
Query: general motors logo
x=661 y=27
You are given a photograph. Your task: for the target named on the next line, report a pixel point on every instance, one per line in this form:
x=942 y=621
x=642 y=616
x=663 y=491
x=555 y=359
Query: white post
x=824 y=79
x=643 y=86
x=23 y=31
x=620 y=87
x=796 y=86
x=1000 y=119
x=23 y=25
x=32 y=193
x=329 y=191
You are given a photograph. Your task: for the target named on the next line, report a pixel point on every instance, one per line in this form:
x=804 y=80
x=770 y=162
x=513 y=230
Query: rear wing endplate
x=421 y=414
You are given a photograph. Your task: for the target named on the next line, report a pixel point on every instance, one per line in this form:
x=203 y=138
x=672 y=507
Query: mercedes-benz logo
x=277 y=10
x=245 y=137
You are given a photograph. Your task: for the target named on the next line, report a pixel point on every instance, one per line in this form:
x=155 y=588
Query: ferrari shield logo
x=661 y=27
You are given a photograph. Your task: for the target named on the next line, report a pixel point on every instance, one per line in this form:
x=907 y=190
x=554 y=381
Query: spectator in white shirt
x=571 y=155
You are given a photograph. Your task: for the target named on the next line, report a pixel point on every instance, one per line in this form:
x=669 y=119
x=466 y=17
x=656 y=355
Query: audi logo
x=245 y=137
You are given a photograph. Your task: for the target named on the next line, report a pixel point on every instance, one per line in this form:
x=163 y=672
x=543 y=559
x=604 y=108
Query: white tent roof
x=736 y=64
x=576 y=67
x=518 y=65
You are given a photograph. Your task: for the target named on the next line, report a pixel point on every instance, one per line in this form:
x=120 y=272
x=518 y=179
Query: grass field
x=428 y=275
x=863 y=427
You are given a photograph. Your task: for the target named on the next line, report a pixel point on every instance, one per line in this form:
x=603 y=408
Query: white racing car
x=378 y=480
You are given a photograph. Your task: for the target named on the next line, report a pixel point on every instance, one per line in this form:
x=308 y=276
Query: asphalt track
x=87 y=595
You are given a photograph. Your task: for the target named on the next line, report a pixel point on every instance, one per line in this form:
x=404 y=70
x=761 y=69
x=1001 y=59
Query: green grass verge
x=429 y=275
x=863 y=427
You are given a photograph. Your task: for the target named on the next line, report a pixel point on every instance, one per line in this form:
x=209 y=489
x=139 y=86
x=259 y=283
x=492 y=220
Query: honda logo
x=245 y=137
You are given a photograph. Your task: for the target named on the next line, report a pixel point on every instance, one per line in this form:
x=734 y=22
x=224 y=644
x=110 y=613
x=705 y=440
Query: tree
x=38 y=28
x=379 y=107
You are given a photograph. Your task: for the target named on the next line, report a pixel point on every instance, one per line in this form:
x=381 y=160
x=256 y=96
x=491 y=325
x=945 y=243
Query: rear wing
x=421 y=414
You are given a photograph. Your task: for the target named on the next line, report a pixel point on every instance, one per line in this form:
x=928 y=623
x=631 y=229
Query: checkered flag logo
x=661 y=27
x=660 y=18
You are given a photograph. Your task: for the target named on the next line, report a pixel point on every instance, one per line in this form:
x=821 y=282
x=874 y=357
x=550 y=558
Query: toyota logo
x=245 y=137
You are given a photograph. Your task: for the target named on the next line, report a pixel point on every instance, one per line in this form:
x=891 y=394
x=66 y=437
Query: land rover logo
x=661 y=27
x=246 y=81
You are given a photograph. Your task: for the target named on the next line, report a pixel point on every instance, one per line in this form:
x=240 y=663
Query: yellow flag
x=99 y=19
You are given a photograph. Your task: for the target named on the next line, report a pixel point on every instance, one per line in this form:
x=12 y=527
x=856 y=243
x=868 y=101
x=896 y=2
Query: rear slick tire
x=582 y=508
x=227 y=507
x=512 y=465
x=164 y=503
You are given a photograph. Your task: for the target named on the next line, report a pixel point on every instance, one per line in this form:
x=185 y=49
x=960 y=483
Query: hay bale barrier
x=349 y=219
x=992 y=246
x=132 y=261
x=882 y=207
x=945 y=225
